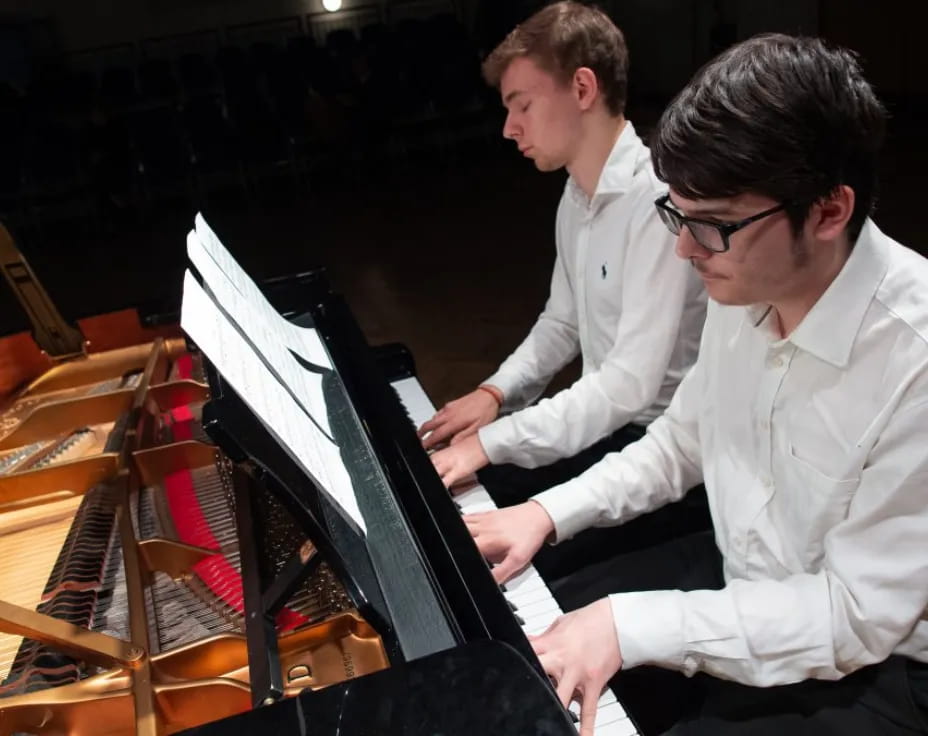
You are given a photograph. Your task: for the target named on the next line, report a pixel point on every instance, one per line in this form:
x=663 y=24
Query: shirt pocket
x=814 y=501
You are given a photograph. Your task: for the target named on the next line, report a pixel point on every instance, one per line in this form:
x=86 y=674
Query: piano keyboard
x=527 y=593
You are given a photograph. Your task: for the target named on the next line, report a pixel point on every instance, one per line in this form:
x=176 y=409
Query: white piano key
x=607 y=697
x=527 y=590
x=528 y=597
x=485 y=506
x=535 y=608
x=474 y=497
x=475 y=494
x=621 y=727
x=607 y=713
x=523 y=577
x=611 y=719
x=414 y=400
x=522 y=605
x=540 y=624
x=539 y=609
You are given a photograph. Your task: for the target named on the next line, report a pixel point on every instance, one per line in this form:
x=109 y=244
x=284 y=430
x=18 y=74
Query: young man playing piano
x=805 y=414
x=618 y=295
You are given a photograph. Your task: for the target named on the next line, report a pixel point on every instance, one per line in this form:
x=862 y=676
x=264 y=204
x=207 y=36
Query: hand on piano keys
x=509 y=538
x=580 y=652
x=528 y=595
x=459 y=460
x=465 y=484
x=459 y=419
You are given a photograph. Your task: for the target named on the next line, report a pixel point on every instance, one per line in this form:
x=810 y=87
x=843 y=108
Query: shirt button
x=775 y=361
x=766 y=481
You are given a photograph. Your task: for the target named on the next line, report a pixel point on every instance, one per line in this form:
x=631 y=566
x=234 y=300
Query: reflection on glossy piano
x=165 y=565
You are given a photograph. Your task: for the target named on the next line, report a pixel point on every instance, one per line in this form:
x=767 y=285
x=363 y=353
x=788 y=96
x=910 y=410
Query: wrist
x=492 y=391
x=473 y=449
x=544 y=520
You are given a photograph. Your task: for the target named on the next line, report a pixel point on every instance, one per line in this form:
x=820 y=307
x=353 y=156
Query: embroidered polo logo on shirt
x=604 y=271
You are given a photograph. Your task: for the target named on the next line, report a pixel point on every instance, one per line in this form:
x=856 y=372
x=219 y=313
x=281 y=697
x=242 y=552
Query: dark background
x=362 y=140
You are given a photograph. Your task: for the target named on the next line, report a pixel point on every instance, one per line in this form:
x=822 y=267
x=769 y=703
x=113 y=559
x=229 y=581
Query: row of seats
x=422 y=50
x=177 y=126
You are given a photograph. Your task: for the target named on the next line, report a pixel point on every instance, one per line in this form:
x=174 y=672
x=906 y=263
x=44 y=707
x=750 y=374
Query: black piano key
x=514 y=608
x=399 y=400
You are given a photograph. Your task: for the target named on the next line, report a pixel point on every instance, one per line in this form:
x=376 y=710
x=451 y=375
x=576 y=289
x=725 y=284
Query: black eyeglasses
x=710 y=235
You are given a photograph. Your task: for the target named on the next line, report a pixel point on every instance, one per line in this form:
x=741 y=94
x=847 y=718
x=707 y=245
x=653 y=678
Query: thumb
x=450 y=478
x=505 y=569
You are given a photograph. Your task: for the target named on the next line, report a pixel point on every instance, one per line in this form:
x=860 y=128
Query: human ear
x=830 y=215
x=585 y=87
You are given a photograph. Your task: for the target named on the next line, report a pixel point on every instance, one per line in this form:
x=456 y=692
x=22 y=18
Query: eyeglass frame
x=725 y=229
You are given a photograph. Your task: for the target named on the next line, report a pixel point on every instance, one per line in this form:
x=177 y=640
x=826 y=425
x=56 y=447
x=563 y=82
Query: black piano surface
x=482 y=687
x=459 y=659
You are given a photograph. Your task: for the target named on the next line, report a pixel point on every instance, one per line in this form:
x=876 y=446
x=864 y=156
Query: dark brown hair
x=562 y=38
x=787 y=117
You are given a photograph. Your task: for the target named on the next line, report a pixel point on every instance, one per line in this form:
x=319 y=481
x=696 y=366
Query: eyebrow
x=707 y=212
x=515 y=93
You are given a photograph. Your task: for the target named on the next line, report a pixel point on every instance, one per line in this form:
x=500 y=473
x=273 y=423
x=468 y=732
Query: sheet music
x=266 y=329
x=303 y=340
x=246 y=371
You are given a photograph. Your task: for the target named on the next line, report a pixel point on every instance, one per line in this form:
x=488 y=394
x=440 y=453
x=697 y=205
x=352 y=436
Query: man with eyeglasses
x=806 y=415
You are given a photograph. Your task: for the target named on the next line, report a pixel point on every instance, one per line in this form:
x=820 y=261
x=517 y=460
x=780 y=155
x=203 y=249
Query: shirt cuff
x=503 y=382
x=509 y=384
x=649 y=627
x=496 y=439
x=569 y=514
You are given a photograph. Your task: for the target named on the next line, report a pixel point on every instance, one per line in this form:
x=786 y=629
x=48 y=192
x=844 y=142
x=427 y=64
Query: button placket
x=766 y=394
x=777 y=364
x=583 y=245
x=774 y=360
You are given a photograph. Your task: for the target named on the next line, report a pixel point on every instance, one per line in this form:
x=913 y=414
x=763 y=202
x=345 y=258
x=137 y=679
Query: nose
x=510 y=129
x=687 y=247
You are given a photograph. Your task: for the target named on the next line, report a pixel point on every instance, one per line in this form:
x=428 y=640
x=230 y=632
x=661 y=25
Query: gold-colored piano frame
x=138 y=692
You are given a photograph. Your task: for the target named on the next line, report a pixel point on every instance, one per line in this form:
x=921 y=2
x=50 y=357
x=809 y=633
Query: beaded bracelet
x=494 y=392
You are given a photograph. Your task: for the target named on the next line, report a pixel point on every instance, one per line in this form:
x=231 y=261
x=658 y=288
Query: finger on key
x=588 y=711
x=566 y=687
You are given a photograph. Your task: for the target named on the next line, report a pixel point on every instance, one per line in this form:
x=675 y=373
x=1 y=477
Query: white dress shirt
x=622 y=299
x=814 y=452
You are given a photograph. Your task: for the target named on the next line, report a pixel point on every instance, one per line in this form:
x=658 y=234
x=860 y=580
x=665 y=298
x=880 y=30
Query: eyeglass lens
x=706 y=235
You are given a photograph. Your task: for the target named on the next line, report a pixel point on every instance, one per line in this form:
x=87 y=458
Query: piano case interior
x=165 y=564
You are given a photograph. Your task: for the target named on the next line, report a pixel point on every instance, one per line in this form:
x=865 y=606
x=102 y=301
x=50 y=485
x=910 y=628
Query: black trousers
x=887 y=698
x=509 y=485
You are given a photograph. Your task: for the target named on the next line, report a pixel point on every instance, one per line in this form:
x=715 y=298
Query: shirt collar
x=829 y=329
x=620 y=167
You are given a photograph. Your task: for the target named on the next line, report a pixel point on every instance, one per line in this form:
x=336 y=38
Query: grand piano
x=166 y=566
